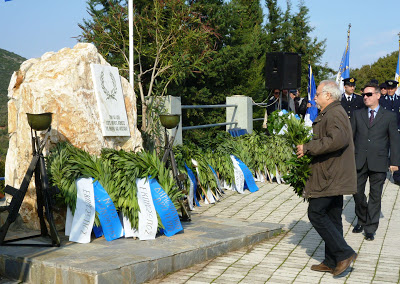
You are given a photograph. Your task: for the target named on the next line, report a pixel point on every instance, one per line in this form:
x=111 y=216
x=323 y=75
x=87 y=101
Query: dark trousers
x=325 y=214
x=368 y=213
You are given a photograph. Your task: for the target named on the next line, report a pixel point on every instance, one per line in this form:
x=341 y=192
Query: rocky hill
x=9 y=62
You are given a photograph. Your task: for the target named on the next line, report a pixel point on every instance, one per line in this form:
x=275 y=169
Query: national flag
x=397 y=77
x=312 y=111
x=344 y=68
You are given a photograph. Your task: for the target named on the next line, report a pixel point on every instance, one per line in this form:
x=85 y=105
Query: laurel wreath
x=109 y=95
x=115 y=170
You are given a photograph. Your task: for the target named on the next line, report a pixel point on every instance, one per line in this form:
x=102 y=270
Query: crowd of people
x=355 y=138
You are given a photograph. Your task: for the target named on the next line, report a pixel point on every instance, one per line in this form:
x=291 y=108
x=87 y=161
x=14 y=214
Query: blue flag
x=312 y=111
x=344 y=68
x=7 y=0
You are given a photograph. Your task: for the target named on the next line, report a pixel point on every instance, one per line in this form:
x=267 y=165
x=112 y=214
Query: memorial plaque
x=110 y=100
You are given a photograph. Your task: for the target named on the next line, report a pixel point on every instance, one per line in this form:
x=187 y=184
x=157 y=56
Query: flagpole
x=397 y=75
x=309 y=80
x=130 y=15
x=344 y=57
x=344 y=64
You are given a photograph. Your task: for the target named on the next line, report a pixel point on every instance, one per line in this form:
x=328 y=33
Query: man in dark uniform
x=383 y=87
x=350 y=101
x=391 y=101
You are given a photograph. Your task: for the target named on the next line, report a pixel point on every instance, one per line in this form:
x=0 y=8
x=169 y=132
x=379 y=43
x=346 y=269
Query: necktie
x=371 y=117
x=349 y=99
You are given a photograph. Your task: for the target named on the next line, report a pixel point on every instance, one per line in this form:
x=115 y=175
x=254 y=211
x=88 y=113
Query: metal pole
x=131 y=62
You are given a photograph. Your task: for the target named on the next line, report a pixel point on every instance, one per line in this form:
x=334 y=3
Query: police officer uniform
x=352 y=102
x=391 y=103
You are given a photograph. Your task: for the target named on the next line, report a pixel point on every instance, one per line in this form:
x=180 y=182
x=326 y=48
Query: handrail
x=205 y=106
x=207 y=125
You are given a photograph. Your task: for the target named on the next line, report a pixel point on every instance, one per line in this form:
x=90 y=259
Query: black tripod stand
x=169 y=157
x=43 y=192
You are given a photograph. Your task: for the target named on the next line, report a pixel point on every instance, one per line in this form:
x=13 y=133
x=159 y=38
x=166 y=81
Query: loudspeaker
x=283 y=70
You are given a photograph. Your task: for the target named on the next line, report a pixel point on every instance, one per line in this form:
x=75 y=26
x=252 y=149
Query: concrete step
x=132 y=261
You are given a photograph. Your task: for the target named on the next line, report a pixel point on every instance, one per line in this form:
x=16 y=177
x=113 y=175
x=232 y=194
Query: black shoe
x=358 y=228
x=369 y=236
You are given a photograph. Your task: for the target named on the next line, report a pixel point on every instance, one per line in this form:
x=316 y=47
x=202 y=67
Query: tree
x=171 y=42
x=383 y=69
x=291 y=33
x=237 y=65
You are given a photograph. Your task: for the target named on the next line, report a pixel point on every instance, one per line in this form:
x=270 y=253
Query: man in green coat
x=333 y=174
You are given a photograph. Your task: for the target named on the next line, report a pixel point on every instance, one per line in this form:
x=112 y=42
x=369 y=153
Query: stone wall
x=60 y=83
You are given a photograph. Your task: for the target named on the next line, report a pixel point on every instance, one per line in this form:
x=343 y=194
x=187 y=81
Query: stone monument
x=62 y=83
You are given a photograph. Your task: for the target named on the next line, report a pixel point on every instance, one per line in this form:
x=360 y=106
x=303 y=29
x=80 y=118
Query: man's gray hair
x=331 y=87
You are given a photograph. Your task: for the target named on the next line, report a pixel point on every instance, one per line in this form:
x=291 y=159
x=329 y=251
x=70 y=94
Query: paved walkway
x=287 y=257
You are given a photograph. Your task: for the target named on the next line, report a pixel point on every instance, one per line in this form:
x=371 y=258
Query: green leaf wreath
x=115 y=170
x=298 y=134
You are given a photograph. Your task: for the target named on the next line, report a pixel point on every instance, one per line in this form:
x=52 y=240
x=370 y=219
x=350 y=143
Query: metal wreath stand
x=44 y=194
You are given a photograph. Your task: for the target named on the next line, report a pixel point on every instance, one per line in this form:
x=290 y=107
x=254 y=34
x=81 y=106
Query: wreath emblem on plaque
x=109 y=94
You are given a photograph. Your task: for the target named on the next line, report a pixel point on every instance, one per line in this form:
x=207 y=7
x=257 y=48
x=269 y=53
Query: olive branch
x=109 y=95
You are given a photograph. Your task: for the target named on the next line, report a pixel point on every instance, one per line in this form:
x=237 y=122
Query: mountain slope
x=9 y=62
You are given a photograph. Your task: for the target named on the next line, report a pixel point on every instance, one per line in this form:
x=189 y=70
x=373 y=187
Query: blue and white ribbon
x=165 y=209
x=193 y=188
x=82 y=222
x=147 y=215
x=108 y=216
x=248 y=176
x=217 y=179
x=239 y=176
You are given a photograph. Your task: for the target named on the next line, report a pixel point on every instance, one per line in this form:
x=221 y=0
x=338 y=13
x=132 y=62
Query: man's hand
x=393 y=168
x=299 y=152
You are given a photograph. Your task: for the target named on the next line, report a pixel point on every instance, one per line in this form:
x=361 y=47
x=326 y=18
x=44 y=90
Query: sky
x=31 y=28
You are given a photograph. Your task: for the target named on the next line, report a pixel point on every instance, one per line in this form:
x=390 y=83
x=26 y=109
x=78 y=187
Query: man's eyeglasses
x=276 y=93
x=367 y=94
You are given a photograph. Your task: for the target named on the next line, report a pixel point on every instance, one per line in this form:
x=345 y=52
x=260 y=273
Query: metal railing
x=259 y=104
x=207 y=125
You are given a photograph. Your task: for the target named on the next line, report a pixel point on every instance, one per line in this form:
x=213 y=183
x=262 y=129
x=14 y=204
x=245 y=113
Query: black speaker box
x=283 y=70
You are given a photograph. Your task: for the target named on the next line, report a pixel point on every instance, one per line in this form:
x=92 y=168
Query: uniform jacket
x=372 y=142
x=356 y=103
x=333 y=168
x=393 y=106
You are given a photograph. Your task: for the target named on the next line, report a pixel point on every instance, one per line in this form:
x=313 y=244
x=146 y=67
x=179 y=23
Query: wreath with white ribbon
x=109 y=94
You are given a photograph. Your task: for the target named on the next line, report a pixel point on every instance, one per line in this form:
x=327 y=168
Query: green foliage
x=383 y=69
x=297 y=134
x=9 y=62
x=276 y=120
x=116 y=171
x=177 y=59
x=171 y=42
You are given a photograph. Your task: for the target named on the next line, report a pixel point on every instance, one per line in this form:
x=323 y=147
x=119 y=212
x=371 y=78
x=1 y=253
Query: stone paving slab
x=133 y=261
x=287 y=258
